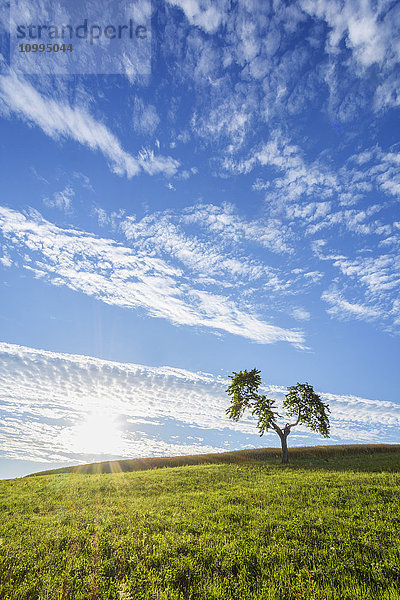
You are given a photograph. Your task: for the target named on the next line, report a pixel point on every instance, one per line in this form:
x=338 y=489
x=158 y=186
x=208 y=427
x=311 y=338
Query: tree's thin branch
x=294 y=424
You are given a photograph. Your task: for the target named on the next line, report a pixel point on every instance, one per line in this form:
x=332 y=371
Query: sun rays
x=98 y=433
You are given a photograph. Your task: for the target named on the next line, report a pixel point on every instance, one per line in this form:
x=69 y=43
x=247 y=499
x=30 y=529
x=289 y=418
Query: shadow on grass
x=352 y=457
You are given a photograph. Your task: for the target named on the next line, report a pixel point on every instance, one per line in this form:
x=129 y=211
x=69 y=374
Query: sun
x=97 y=434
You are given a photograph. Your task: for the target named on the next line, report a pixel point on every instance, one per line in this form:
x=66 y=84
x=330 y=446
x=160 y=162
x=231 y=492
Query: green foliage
x=301 y=401
x=318 y=531
x=304 y=403
x=244 y=392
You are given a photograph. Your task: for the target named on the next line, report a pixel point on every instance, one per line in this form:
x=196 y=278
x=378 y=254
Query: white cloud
x=220 y=253
x=145 y=117
x=111 y=220
x=229 y=120
x=119 y=276
x=60 y=120
x=223 y=220
x=164 y=233
x=354 y=220
x=379 y=274
x=312 y=195
x=301 y=314
x=367 y=28
x=238 y=81
x=5 y=260
x=372 y=279
x=277 y=63
x=343 y=309
x=53 y=397
x=61 y=200
x=207 y=14
x=362 y=34
x=51 y=402
x=83 y=180
x=387 y=94
x=300 y=179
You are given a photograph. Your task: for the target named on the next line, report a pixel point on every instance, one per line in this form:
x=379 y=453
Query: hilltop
x=323 y=529
x=234 y=457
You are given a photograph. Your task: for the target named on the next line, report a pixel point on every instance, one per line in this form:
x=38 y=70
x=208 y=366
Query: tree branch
x=294 y=424
x=277 y=428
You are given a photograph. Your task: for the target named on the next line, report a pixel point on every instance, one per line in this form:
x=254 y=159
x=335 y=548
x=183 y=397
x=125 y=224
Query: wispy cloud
x=297 y=179
x=117 y=275
x=54 y=397
x=302 y=57
x=61 y=200
x=145 y=117
x=268 y=232
x=301 y=314
x=311 y=195
x=49 y=400
x=343 y=309
x=365 y=28
x=167 y=234
x=222 y=248
x=5 y=260
x=372 y=280
x=60 y=120
x=379 y=274
x=207 y=14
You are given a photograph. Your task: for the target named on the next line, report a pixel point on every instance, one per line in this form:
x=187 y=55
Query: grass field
x=321 y=528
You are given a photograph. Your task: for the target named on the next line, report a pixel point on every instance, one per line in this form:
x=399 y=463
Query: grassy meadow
x=324 y=527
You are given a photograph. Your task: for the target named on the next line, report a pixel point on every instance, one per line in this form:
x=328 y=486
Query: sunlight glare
x=97 y=434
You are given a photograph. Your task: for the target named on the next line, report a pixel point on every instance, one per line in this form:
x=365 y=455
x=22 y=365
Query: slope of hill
x=237 y=457
x=325 y=528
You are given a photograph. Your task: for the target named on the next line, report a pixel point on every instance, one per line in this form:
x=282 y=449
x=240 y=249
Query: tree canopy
x=301 y=402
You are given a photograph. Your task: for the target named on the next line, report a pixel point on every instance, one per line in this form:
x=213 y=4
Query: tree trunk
x=285 y=456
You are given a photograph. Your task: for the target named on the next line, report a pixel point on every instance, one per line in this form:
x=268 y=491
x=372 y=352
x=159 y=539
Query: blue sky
x=234 y=206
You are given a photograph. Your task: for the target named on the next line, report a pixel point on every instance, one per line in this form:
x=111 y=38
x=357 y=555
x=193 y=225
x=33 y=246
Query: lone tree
x=300 y=402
